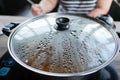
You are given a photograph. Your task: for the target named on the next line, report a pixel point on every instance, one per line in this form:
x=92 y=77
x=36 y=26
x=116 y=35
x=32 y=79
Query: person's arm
x=102 y=7
x=43 y=7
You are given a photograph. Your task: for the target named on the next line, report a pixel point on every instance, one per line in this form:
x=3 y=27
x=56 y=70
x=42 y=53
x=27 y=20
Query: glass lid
x=82 y=45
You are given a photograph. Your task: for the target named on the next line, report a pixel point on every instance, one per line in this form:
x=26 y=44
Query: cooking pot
x=62 y=46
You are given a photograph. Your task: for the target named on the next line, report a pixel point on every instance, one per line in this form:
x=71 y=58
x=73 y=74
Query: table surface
x=7 y=19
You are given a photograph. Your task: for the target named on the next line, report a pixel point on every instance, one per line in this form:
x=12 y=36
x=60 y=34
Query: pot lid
x=82 y=45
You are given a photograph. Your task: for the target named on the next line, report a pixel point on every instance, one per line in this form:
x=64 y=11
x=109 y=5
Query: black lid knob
x=62 y=23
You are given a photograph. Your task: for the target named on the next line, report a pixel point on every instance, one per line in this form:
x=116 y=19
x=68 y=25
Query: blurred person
x=92 y=8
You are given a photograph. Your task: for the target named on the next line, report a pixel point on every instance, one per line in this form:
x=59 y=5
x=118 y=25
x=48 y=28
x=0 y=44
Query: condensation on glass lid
x=80 y=48
x=63 y=54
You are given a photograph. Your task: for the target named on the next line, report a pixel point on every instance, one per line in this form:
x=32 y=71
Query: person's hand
x=37 y=10
x=96 y=12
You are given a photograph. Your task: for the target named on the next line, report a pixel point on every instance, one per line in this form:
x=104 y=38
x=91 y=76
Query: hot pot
x=62 y=46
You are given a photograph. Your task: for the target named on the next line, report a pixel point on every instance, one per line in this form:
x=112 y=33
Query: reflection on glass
x=35 y=28
x=85 y=38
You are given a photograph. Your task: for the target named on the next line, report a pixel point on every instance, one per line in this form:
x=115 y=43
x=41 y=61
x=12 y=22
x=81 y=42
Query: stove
x=11 y=70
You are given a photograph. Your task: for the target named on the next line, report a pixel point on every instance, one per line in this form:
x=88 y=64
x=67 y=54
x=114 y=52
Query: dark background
x=16 y=7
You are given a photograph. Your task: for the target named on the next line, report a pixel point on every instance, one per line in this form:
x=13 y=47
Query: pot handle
x=7 y=29
x=107 y=19
x=113 y=73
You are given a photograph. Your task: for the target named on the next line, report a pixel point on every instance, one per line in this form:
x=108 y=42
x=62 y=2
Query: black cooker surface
x=10 y=70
